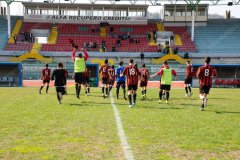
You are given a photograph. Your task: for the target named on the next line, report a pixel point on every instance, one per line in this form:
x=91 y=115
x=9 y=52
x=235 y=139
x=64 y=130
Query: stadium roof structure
x=133 y=2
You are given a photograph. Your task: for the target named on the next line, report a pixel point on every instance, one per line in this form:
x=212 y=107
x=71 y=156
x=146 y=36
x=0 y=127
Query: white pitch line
x=126 y=148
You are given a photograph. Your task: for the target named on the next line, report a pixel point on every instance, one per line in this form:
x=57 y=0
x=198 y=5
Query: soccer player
x=79 y=69
x=144 y=80
x=87 y=74
x=188 y=79
x=59 y=75
x=66 y=74
x=132 y=74
x=120 y=80
x=166 y=80
x=46 y=74
x=105 y=77
x=112 y=77
x=205 y=74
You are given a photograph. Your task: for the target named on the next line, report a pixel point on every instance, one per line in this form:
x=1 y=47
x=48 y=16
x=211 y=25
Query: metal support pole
x=9 y=20
x=193 y=20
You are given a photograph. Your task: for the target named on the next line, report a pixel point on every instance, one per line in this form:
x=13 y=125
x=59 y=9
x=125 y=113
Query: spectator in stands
x=91 y=44
x=149 y=36
x=128 y=35
x=103 y=42
x=155 y=35
x=186 y=56
x=159 y=47
x=94 y=44
x=118 y=42
x=31 y=37
x=85 y=45
x=103 y=48
x=113 y=49
x=166 y=49
x=175 y=50
x=172 y=40
x=137 y=40
x=142 y=57
x=15 y=38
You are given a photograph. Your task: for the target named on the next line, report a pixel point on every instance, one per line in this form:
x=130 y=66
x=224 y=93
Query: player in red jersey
x=205 y=74
x=188 y=79
x=46 y=74
x=105 y=77
x=132 y=74
x=112 y=77
x=87 y=76
x=144 y=80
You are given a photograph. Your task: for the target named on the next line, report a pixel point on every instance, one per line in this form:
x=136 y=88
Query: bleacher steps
x=167 y=57
x=53 y=35
x=103 y=32
x=15 y=31
x=33 y=54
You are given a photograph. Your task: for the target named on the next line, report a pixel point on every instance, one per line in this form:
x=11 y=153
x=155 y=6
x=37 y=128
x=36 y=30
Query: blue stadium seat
x=219 y=36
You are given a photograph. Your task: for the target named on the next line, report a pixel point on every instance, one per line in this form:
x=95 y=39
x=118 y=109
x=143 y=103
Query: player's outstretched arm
x=73 y=54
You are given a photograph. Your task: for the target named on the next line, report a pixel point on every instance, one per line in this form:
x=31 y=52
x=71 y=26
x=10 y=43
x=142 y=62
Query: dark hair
x=121 y=63
x=106 y=61
x=112 y=66
x=80 y=55
x=60 y=65
x=188 y=62
x=47 y=65
x=165 y=62
x=143 y=65
x=207 y=60
x=131 y=60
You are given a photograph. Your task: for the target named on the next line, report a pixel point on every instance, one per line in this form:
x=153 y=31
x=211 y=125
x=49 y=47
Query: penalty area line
x=128 y=155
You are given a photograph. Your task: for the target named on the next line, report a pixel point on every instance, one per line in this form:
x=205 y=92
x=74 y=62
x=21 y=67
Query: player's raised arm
x=73 y=54
x=86 y=56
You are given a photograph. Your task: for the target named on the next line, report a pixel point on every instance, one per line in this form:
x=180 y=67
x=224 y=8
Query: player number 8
x=206 y=73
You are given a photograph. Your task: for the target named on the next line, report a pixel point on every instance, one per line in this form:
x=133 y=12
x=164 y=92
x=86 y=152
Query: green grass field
x=35 y=127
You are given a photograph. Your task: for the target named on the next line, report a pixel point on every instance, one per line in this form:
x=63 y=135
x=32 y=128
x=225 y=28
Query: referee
x=79 y=69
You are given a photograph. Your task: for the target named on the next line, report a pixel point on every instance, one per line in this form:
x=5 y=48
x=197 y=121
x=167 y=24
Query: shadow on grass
x=159 y=107
x=224 y=112
x=95 y=104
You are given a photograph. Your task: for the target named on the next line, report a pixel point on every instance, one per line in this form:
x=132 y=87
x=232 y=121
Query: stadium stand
x=4 y=31
x=187 y=44
x=219 y=36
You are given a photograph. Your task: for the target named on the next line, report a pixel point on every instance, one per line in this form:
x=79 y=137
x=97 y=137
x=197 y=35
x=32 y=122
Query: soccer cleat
x=125 y=98
x=130 y=106
x=134 y=104
x=59 y=102
x=106 y=95
x=40 y=92
x=143 y=97
x=103 y=96
x=159 y=101
x=190 y=94
x=166 y=101
x=77 y=96
x=87 y=94
x=186 y=95
x=205 y=102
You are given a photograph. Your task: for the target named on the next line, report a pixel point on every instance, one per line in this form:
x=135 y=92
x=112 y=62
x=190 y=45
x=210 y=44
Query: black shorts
x=204 y=89
x=143 y=84
x=111 y=82
x=188 y=80
x=165 y=87
x=46 y=81
x=104 y=80
x=61 y=90
x=132 y=87
x=86 y=80
x=121 y=84
x=79 y=78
